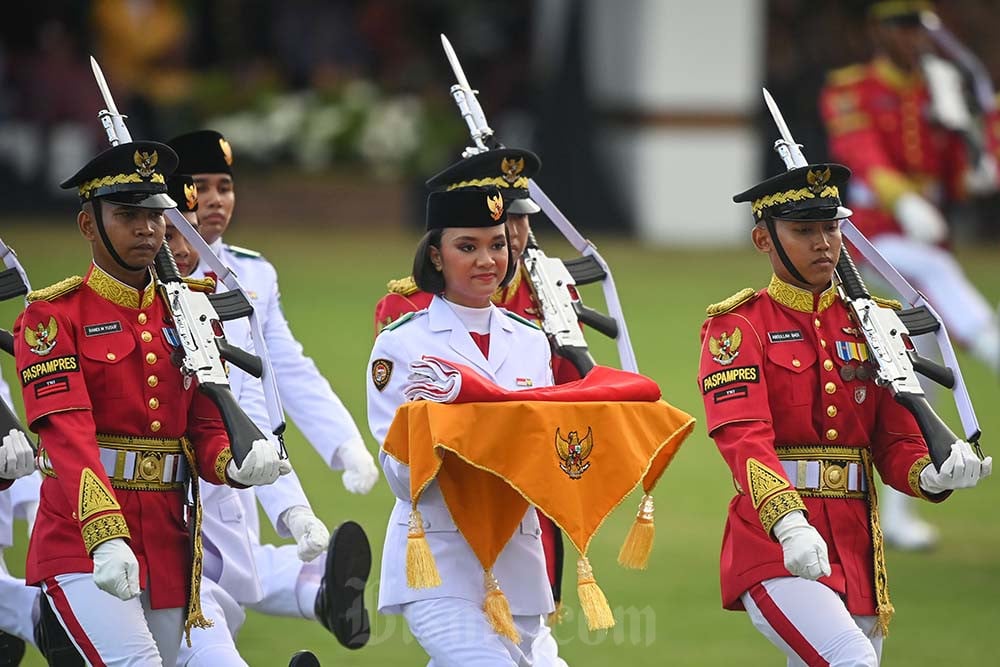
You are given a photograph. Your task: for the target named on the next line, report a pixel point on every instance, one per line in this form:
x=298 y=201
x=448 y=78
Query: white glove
x=116 y=570
x=360 y=471
x=16 y=457
x=983 y=178
x=261 y=466
x=804 y=550
x=311 y=536
x=920 y=219
x=961 y=470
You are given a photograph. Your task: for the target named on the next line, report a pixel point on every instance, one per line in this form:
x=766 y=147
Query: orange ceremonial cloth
x=574 y=451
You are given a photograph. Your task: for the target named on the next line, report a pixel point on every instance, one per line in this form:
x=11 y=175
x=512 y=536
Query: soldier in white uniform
x=238 y=570
x=463 y=267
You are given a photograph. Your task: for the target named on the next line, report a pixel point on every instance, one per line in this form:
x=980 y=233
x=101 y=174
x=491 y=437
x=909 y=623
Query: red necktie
x=482 y=342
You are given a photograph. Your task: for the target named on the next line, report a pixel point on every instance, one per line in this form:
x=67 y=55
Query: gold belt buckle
x=834 y=476
x=151 y=466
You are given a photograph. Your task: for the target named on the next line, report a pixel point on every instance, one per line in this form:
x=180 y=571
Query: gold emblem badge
x=191 y=195
x=726 y=348
x=574 y=452
x=817 y=180
x=381 y=372
x=860 y=394
x=227 y=151
x=511 y=168
x=43 y=337
x=495 y=204
x=145 y=163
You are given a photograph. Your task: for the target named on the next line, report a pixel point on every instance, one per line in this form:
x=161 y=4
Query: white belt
x=825 y=475
x=144 y=470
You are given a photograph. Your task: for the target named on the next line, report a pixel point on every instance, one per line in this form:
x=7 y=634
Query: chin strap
x=107 y=242
x=782 y=254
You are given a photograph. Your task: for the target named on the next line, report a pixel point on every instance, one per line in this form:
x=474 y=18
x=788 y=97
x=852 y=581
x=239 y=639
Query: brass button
x=146 y=336
x=142 y=318
x=111 y=356
x=154 y=403
x=822 y=342
x=828 y=365
x=830 y=388
x=796 y=363
x=155 y=426
x=152 y=380
x=831 y=411
x=816 y=322
x=832 y=434
x=151 y=358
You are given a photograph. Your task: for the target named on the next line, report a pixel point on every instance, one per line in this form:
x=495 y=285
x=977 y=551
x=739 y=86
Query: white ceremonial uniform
x=441 y=617
x=305 y=393
x=238 y=570
x=18 y=602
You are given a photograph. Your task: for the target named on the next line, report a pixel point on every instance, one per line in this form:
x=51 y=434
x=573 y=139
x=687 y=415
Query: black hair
x=429 y=279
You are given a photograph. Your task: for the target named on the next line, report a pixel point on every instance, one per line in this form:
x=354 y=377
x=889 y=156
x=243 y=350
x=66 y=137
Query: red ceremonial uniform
x=93 y=357
x=878 y=121
x=799 y=432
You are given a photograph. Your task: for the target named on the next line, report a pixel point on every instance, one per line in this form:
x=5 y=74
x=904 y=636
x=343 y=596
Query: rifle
x=228 y=305
x=887 y=332
x=198 y=318
x=13 y=282
x=553 y=281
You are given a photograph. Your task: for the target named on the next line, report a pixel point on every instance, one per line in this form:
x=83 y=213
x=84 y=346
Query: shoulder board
x=845 y=76
x=200 y=284
x=736 y=300
x=243 y=252
x=518 y=318
x=405 y=286
x=53 y=292
x=888 y=303
x=401 y=321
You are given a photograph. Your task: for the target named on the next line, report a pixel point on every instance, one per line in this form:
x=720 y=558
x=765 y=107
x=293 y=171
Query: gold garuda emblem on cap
x=511 y=168
x=726 y=347
x=191 y=195
x=817 y=180
x=574 y=452
x=145 y=163
x=495 y=204
x=227 y=151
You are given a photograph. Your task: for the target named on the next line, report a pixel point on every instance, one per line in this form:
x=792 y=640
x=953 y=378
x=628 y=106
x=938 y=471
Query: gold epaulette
x=405 y=286
x=888 y=303
x=53 y=292
x=738 y=299
x=846 y=75
x=201 y=284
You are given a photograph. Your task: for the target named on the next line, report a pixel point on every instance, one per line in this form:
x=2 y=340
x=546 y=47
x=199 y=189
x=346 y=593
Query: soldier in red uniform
x=889 y=126
x=791 y=403
x=121 y=430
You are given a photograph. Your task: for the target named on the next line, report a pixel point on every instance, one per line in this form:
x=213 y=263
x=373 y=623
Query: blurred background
x=648 y=117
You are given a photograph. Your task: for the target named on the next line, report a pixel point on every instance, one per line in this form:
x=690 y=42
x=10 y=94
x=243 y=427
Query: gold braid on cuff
x=102 y=529
x=221 y=462
x=777 y=506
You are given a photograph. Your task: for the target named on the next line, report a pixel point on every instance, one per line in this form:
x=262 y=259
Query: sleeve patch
x=94 y=496
x=381 y=372
x=733 y=393
x=763 y=481
x=738 y=375
x=42 y=337
x=66 y=364
x=56 y=385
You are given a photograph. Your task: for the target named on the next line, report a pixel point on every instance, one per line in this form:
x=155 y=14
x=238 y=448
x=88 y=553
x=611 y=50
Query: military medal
x=864 y=372
x=847 y=372
x=850 y=351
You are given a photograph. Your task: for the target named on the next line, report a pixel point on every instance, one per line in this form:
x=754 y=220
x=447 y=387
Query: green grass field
x=946 y=601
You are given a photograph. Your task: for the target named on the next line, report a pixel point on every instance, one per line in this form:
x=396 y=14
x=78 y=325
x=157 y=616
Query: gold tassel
x=497 y=609
x=592 y=600
x=638 y=544
x=195 y=617
x=885 y=615
x=421 y=570
x=556 y=617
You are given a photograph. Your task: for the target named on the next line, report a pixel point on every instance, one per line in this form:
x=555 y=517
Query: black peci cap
x=203 y=152
x=474 y=207
x=134 y=174
x=505 y=168
x=182 y=190
x=810 y=193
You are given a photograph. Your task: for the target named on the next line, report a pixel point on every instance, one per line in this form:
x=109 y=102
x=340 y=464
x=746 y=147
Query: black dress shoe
x=11 y=650
x=340 y=602
x=304 y=659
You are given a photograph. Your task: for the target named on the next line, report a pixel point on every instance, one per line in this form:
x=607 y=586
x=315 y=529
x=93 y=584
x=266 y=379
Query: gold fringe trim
x=497 y=609
x=195 y=617
x=592 y=600
x=883 y=606
x=421 y=570
x=638 y=544
x=731 y=303
x=64 y=286
x=556 y=617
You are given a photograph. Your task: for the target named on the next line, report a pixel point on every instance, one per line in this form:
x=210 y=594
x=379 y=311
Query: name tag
x=784 y=336
x=102 y=329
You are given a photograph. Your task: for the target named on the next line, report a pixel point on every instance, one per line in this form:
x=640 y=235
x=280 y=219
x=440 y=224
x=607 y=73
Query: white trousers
x=18 y=605
x=810 y=624
x=113 y=632
x=455 y=633
x=215 y=645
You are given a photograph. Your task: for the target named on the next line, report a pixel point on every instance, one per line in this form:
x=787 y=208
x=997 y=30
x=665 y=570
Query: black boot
x=52 y=640
x=11 y=650
x=340 y=602
x=304 y=659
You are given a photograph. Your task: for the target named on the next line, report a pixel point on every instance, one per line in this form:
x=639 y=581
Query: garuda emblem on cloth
x=726 y=348
x=574 y=452
x=43 y=337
